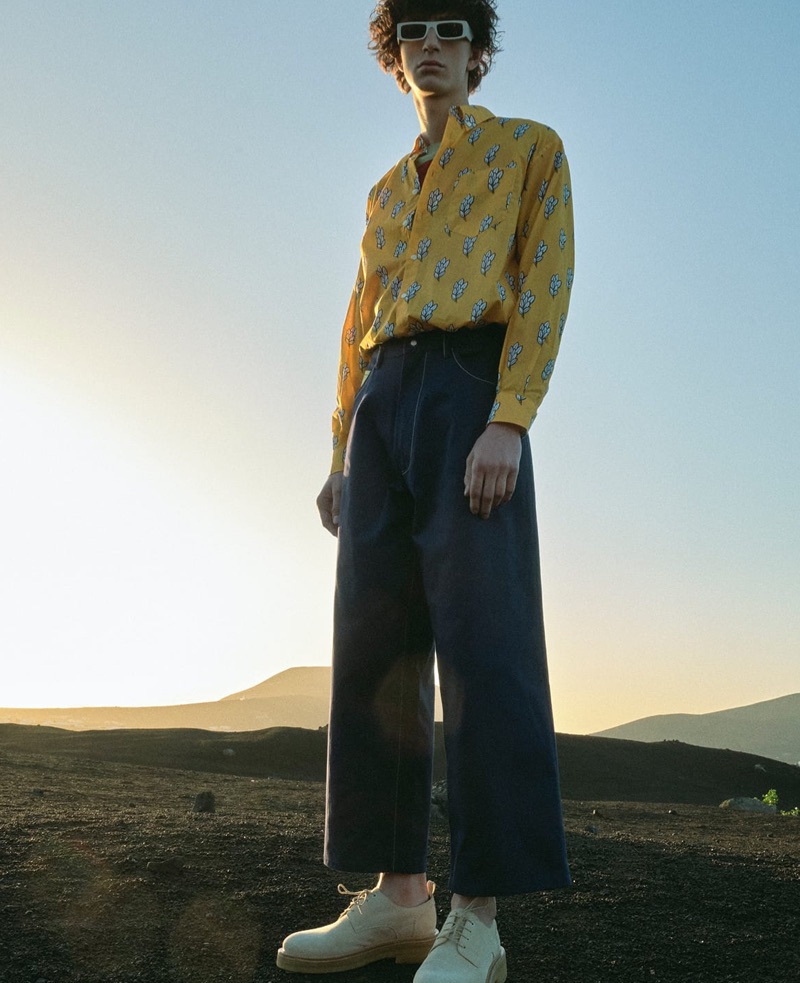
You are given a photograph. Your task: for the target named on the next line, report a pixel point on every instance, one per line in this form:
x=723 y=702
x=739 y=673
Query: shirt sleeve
x=351 y=372
x=546 y=253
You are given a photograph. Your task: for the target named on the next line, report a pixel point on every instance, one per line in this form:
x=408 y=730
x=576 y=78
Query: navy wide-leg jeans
x=418 y=573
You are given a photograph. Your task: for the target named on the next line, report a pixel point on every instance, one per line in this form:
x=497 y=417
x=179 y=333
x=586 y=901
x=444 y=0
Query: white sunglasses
x=446 y=30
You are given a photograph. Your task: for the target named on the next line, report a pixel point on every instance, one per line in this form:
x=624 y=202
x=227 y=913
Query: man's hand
x=492 y=468
x=328 y=502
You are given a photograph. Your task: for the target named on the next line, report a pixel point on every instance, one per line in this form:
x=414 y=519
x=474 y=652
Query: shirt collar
x=467 y=117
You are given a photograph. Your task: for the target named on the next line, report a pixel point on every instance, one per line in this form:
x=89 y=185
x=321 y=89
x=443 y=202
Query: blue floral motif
x=384 y=196
x=562 y=239
x=509 y=199
x=521 y=278
x=466 y=206
x=493 y=414
x=511 y=281
x=475 y=135
x=526 y=228
x=495 y=177
x=558 y=160
x=514 y=353
x=567 y=193
x=441 y=268
x=540 y=251
x=458 y=289
x=491 y=153
x=350 y=337
x=345 y=373
x=550 y=206
x=555 y=284
x=380 y=238
x=570 y=277
x=478 y=309
x=531 y=152
x=383 y=275
x=444 y=160
x=469 y=121
x=400 y=248
x=389 y=330
x=486 y=263
x=422 y=248
x=520 y=398
x=543 y=190
x=397 y=283
x=561 y=323
x=512 y=241
x=464 y=171
x=427 y=311
x=404 y=172
x=408 y=221
x=521 y=130
x=417 y=185
x=376 y=324
x=544 y=331
x=359 y=286
x=502 y=291
x=397 y=209
x=502 y=120
x=433 y=200
x=486 y=223
x=526 y=302
x=548 y=370
x=469 y=244
x=412 y=292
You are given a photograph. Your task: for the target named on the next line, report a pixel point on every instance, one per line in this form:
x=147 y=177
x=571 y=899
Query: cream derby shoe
x=372 y=928
x=465 y=951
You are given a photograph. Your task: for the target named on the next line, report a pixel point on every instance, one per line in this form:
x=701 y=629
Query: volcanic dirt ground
x=107 y=876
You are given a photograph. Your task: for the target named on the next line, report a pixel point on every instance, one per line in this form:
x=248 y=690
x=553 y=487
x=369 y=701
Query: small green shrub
x=770 y=798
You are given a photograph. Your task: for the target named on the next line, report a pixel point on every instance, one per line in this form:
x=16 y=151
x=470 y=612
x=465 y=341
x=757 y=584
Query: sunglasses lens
x=450 y=30
x=412 y=31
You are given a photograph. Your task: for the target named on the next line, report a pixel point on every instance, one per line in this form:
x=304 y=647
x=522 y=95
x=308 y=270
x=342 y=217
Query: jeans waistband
x=442 y=341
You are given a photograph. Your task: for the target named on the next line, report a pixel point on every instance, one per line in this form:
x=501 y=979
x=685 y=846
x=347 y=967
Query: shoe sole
x=402 y=953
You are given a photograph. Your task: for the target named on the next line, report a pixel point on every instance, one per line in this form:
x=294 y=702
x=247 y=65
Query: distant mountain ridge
x=297 y=697
x=770 y=728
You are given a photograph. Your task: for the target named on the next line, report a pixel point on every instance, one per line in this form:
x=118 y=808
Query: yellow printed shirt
x=487 y=237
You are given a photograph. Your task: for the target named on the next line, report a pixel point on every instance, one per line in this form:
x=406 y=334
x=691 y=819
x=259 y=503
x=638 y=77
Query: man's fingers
x=328 y=503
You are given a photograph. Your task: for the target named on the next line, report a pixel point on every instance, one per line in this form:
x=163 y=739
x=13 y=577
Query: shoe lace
x=458 y=926
x=359 y=897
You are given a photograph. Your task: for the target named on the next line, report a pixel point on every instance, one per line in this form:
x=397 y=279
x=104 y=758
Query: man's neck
x=433 y=113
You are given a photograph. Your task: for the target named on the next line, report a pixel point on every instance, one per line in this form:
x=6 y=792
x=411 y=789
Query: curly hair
x=480 y=14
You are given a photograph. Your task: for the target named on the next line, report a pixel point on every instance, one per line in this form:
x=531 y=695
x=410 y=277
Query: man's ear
x=475 y=60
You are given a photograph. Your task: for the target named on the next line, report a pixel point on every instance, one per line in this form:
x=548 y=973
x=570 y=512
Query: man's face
x=436 y=67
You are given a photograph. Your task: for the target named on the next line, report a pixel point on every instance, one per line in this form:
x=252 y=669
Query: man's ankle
x=405 y=890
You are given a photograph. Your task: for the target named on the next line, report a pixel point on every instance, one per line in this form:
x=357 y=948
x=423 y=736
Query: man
x=447 y=351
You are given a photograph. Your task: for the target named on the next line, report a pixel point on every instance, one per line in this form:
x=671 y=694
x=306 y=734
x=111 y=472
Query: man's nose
x=431 y=38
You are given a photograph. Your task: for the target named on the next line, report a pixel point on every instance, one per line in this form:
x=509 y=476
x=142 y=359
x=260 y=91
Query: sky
x=182 y=187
